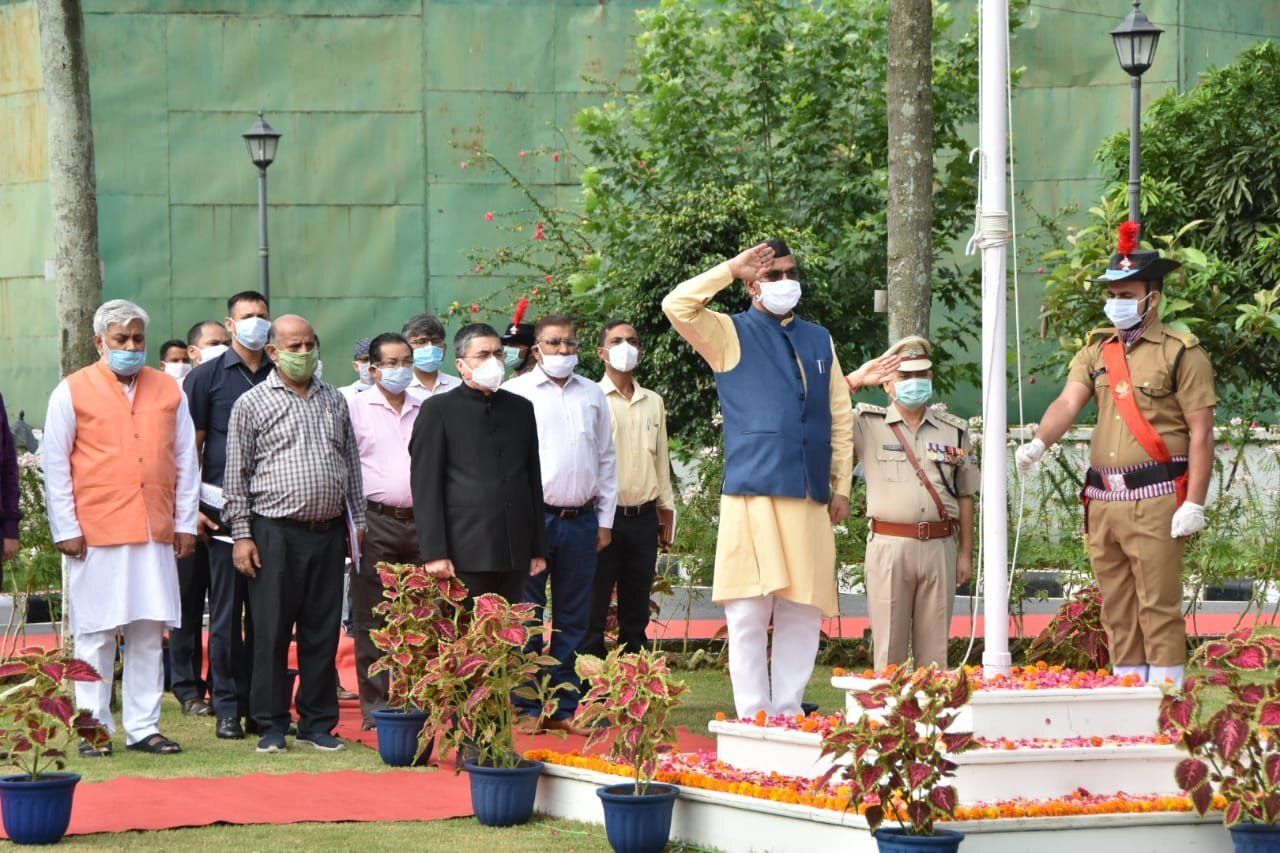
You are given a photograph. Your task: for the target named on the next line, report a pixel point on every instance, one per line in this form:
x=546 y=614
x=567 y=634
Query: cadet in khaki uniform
x=921 y=543
x=1139 y=508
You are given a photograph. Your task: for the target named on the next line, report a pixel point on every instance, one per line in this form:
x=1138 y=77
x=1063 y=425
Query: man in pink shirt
x=383 y=422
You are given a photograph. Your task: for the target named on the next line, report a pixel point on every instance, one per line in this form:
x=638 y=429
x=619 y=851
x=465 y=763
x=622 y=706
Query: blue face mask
x=511 y=355
x=252 y=333
x=913 y=393
x=125 y=362
x=428 y=358
x=395 y=379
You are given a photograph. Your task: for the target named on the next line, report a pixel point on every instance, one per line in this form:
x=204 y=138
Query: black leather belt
x=1149 y=476
x=404 y=513
x=569 y=511
x=313 y=526
x=639 y=509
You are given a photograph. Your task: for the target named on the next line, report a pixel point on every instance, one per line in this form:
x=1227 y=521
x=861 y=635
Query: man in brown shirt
x=1139 y=509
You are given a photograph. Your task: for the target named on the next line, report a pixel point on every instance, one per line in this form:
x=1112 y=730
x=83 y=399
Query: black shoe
x=196 y=708
x=229 y=728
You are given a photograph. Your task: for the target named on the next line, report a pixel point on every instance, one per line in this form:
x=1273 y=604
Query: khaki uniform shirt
x=640 y=439
x=1151 y=358
x=941 y=445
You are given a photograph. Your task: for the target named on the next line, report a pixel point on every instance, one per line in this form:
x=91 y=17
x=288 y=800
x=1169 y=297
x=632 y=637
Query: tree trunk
x=910 y=210
x=72 y=183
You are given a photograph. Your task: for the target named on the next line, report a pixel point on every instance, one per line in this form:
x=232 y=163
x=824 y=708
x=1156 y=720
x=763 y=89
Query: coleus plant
x=896 y=756
x=38 y=716
x=418 y=610
x=1228 y=721
x=630 y=700
x=1074 y=636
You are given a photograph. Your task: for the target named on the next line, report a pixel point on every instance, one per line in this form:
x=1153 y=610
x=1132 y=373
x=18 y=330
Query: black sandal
x=157 y=744
x=88 y=750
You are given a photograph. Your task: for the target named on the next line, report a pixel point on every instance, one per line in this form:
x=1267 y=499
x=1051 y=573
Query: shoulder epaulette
x=868 y=409
x=1099 y=333
x=1188 y=340
x=948 y=418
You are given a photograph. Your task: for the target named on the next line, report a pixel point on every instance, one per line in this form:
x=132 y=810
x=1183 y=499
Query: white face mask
x=252 y=332
x=624 y=357
x=1124 y=313
x=319 y=369
x=395 y=379
x=209 y=353
x=362 y=367
x=559 y=366
x=779 y=297
x=177 y=369
x=489 y=374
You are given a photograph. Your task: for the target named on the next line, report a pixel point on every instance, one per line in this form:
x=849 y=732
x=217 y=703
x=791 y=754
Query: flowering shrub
x=901 y=754
x=1232 y=748
x=419 y=610
x=38 y=717
x=632 y=693
x=1075 y=637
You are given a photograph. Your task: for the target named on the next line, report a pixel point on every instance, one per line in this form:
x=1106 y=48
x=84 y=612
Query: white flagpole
x=993 y=225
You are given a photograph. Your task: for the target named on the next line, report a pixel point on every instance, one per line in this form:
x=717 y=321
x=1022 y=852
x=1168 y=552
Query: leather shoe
x=565 y=726
x=196 y=708
x=346 y=695
x=229 y=728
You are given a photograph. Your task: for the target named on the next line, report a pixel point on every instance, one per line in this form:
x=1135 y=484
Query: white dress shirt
x=575 y=441
x=444 y=382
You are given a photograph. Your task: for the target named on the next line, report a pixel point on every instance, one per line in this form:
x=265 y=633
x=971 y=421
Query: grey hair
x=462 y=340
x=428 y=325
x=118 y=312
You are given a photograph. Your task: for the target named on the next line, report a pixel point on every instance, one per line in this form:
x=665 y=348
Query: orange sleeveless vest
x=123 y=467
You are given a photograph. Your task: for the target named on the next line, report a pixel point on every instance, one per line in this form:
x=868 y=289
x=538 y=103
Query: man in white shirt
x=425 y=334
x=579 y=488
x=360 y=364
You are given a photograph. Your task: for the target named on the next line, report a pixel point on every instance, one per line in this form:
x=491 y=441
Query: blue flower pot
x=638 y=824
x=891 y=840
x=37 y=812
x=398 y=737
x=503 y=796
x=1256 y=837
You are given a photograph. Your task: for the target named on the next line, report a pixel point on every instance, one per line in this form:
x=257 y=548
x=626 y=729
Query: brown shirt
x=941 y=446
x=1151 y=358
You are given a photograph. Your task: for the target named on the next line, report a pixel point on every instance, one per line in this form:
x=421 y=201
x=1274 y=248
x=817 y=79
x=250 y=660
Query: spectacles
x=404 y=362
x=422 y=342
x=556 y=343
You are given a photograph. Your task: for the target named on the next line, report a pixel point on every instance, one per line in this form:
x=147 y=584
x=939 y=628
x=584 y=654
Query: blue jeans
x=571 y=568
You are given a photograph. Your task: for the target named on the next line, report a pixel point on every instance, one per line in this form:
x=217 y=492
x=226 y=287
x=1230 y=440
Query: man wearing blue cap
x=360 y=365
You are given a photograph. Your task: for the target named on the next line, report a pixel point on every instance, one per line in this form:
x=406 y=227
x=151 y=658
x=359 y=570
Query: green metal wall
x=378 y=101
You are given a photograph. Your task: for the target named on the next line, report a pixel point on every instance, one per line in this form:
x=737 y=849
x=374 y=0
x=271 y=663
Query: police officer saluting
x=1150 y=459
x=920 y=482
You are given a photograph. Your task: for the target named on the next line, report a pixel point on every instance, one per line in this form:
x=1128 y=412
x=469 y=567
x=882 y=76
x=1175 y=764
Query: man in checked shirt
x=293 y=470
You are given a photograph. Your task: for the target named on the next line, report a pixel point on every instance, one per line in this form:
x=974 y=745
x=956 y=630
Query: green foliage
x=749 y=119
x=39 y=722
x=1074 y=636
x=38 y=566
x=1212 y=155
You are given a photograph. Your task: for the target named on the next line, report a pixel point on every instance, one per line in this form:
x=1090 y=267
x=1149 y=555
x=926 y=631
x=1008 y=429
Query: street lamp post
x=261 y=139
x=1135 y=42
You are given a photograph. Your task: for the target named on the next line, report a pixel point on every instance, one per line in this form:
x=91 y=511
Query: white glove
x=1187 y=520
x=1028 y=455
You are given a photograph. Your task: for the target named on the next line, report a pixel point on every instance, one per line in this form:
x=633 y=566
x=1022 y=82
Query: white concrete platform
x=737 y=824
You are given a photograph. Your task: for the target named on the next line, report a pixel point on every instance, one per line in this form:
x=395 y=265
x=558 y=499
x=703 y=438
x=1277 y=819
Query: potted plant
x=417 y=610
x=480 y=661
x=631 y=697
x=1074 y=636
x=38 y=724
x=1227 y=722
x=896 y=760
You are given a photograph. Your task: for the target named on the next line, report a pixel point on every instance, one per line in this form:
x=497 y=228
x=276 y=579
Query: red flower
x=488 y=216
x=547 y=279
x=555 y=157
x=475 y=309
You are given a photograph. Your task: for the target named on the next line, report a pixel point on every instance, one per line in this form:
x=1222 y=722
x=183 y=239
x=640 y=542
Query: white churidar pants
x=143 y=682
x=796 y=628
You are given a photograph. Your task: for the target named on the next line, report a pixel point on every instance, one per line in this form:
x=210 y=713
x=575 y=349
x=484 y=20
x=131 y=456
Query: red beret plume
x=1128 y=237
x=521 y=307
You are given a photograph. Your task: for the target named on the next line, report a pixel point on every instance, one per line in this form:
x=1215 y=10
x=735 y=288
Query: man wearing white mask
x=382 y=420
x=109 y=425
x=1150 y=459
x=174 y=359
x=206 y=341
x=425 y=334
x=788 y=465
x=646 y=509
x=580 y=488
x=921 y=543
x=213 y=389
x=361 y=365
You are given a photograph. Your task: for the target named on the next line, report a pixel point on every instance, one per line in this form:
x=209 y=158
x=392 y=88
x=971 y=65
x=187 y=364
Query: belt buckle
x=1115 y=482
x=922 y=531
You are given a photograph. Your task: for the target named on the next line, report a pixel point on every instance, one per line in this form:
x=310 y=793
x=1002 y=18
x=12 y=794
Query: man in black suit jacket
x=475 y=476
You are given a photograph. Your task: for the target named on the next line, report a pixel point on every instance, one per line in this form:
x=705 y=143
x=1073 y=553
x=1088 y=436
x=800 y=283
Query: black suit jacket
x=476 y=481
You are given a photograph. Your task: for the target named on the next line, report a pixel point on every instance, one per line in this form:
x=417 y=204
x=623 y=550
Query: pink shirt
x=382 y=435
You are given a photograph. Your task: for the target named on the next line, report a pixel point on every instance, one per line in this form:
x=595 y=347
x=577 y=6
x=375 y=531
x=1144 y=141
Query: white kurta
x=118 y=584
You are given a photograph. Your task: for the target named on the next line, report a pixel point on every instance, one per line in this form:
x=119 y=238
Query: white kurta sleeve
x=55 y=453
x=186 y=504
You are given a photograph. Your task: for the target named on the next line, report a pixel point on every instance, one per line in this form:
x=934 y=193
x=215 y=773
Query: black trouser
x=387 y=540
x=628 y=562
x=230 y=633
x=188 y=678
x=299 y=586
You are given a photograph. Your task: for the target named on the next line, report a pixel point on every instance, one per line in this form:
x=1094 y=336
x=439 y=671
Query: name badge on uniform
x=897 y=447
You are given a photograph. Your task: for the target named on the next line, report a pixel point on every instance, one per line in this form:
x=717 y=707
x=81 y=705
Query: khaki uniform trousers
x=1139 y=570
x=911 y=592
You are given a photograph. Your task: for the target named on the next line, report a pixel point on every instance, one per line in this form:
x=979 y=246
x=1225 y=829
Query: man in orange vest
x=122 y=489
x=1150 y=458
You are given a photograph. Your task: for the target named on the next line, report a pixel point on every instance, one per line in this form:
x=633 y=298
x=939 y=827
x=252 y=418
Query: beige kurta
x=767 y=545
